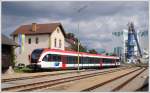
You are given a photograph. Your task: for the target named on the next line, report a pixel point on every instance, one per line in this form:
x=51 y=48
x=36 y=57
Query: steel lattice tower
x=130 y=44
x=132 y=41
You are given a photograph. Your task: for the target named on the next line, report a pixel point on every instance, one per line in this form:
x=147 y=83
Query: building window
x=29 y=41
x=55 y=42
x=59 y=43
x=36 y=40
x=57 y=30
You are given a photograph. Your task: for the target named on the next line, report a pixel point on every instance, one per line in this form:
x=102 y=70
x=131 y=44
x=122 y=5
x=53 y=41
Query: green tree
x=75 y=45
x=93 y=51
x=107 y=54
x=101 y=51
x=70 y=36
x=81 y=48
x=114 y=54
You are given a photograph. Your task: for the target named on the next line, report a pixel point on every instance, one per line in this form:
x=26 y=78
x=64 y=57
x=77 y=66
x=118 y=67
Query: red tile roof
x=41 y=29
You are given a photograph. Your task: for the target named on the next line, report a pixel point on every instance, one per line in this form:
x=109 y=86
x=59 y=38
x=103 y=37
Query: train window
x=80 y=60
x=68 y=60
x=93 y=60
x=117 y=60
x=90 y=61
x=100 y=60
x=36 y=53
x=113 y=60
x=56 y=57
x=50 y=57
x=47 y=58
x=107 y=60
x=96 y=61
x=71 y=60
x=74 y=60
x=85 y=60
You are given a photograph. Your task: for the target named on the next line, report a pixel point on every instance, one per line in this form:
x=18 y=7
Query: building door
x=101 y=63
x=115 y=62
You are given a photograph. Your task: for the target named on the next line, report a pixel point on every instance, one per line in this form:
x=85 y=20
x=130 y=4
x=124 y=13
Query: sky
x=96 y=19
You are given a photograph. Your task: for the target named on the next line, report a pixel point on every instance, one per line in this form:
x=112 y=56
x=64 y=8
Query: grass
x=23 y=70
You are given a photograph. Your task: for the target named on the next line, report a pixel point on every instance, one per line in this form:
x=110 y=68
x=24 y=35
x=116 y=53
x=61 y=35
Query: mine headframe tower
x=132 y=38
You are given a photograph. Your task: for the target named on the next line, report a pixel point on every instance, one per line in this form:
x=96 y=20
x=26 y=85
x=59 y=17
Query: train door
x=101 y=63
x=115 y=62
x=81 y=62
x=64 y=61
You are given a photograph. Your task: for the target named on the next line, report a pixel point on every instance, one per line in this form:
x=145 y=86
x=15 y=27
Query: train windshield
x=36 y=54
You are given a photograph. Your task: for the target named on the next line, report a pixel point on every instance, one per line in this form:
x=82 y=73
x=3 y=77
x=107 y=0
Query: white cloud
x=96 y=22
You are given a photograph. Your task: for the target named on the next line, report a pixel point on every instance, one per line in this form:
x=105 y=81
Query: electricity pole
x=79 y=10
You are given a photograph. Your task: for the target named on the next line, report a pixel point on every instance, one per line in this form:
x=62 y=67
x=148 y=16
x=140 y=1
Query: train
x=44 y=58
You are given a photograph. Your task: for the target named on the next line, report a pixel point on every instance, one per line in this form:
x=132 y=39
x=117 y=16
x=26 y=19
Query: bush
x=17 y=69
x=20 y=65
x=27 y=69
x=23 y=69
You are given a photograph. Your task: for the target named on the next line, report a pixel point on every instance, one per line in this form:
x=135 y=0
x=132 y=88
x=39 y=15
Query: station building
x=32 y=36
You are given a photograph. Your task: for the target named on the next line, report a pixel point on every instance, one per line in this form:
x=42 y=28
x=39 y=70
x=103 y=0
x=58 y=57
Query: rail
x=43 y=84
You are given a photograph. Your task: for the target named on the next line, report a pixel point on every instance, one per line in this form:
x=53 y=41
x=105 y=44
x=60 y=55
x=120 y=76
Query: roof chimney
x=34 y=27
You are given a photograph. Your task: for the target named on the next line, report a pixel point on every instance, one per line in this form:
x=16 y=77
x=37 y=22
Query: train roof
x=80 y=53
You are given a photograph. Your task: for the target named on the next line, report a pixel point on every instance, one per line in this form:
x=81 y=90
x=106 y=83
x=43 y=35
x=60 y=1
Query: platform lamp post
x=78 y=52
x=79 y=10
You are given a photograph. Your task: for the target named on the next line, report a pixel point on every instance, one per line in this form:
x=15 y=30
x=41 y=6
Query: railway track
x=49 y=83
x=121 y=85
x=38 y=76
